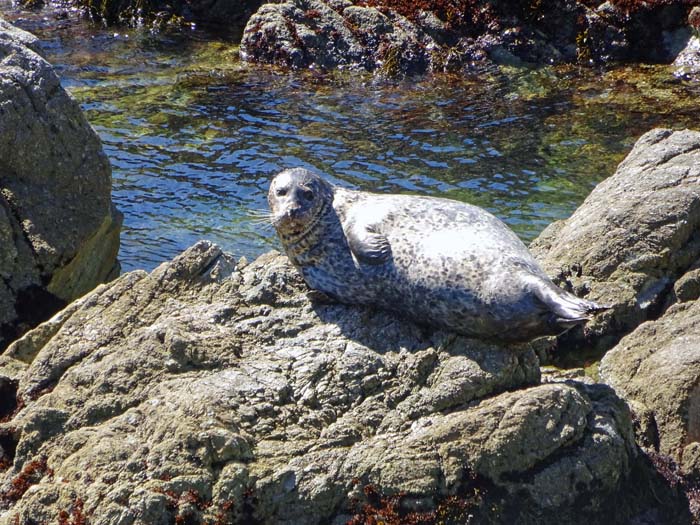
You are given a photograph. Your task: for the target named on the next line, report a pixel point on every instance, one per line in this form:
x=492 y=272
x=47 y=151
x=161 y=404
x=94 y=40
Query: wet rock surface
x=340 y=35
x=58 y=229
x=207 y=392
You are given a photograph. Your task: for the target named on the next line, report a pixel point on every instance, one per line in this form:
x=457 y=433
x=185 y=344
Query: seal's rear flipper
x=569 y=323
x=567 y=310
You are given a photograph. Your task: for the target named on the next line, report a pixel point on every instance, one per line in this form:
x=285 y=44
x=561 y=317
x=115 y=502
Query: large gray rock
x=657 y=369
x=58 y=230
x=405 y=39
x=634 y=243
x=203 y=392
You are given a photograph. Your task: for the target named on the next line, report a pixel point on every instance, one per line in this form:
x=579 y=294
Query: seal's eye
x=307 y=195
x=281 y=192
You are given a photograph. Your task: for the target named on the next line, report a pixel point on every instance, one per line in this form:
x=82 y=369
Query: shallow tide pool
x=194 y=135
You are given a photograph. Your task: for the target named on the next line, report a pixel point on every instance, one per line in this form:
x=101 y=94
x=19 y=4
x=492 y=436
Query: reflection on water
x=194 y=136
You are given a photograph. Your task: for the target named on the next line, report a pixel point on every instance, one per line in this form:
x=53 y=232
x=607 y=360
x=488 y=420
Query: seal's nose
x=294 y=211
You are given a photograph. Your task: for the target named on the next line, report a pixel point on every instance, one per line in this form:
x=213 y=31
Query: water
x=194 y=135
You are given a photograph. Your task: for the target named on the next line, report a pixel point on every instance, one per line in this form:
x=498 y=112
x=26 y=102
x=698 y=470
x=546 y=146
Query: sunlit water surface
x=194 y=135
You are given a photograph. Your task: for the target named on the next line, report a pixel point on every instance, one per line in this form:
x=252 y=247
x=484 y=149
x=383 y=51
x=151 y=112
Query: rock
x=229 y=13
x=633 y=238
x=58 y=229
x=687 y=287
x=602 y=41
x=204 y=392
x=657 y=367
x=691 y=460
x=302 y=33
x=687 y=63
x=643 y=31
x=402 y=38
x=407 y=40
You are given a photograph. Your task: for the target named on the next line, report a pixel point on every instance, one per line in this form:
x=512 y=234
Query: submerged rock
x=59 y=232
x=634 y=243
x=203 y=392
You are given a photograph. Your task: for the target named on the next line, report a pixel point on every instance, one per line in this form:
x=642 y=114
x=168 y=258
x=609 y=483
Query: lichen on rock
x=658 y=368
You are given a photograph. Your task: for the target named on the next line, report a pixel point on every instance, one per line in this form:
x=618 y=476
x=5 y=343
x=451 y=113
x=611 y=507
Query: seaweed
x=379 y=508
x=76 y=516
x=687 y=484
x=31 y=474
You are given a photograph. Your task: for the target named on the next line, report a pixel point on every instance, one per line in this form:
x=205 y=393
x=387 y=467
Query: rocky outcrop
x=58 y=229
x=634 y=243
x=397 y=37
x=204 y=393
x=657 y=369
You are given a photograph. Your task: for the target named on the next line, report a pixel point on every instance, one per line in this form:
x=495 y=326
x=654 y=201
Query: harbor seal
x=438 y=261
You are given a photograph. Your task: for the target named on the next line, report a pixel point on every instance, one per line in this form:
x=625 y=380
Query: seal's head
x=298 y=200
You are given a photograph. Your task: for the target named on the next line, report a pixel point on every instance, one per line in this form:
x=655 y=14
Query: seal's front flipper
x=319 y=297
x=368 y=246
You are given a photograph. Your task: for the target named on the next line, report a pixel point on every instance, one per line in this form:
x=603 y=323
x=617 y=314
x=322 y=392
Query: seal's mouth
x=285 y=225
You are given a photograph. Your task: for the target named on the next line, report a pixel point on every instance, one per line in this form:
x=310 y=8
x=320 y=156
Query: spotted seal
x=436 y=260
